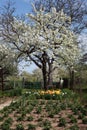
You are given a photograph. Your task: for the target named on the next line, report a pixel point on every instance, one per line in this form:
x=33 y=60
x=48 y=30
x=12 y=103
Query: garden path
x=7 y=103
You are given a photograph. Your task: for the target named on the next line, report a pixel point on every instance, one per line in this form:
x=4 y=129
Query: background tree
x=38 y=75
x=7 y=63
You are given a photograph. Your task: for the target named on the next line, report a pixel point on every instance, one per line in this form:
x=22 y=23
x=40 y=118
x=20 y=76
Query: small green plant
x=5 y=114
x=5 y=126
x=38 y=110
x=46 y=125
x=70 y=116
x=5 y=108
x=29 y=118
x=19 y=127
x=84 y=120
x=48 y=107
x=29 y=109
x=9 y=120
x=19 y=118
x=62 y=122
x=31 y=127
x=1 y=118
x=47 y=96
x=73 y=120
x=74 y=127
x=51 y=114
x=84 y=111
x=75 y=110
x=57 y=110
x=63 y=106
x=23 y=114
x=81 y=116
x=42 y=102
x=40 y=119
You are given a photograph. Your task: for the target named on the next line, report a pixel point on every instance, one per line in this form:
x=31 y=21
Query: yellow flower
x=42 y=92
x=51 y=92
x=57 y=92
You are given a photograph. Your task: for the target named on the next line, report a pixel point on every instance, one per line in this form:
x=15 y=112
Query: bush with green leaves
x=15 y=92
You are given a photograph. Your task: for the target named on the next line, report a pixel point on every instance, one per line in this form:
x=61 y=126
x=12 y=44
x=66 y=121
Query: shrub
x=15 y=92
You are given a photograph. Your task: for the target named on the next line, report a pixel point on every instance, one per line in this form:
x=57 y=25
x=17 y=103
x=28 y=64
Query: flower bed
x=51 y=94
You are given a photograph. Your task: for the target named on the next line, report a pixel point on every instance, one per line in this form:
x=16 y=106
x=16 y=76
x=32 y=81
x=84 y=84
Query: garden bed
x=41 y=111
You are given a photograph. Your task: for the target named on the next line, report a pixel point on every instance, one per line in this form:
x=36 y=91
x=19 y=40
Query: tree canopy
x=47 y=41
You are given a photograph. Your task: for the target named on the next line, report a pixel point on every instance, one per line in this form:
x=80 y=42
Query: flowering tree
x=76 y=9
x=47 y=41
x=7 y=63
x=6 y=56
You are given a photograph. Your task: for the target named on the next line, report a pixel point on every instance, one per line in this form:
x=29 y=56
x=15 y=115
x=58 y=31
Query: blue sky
x=22 y=7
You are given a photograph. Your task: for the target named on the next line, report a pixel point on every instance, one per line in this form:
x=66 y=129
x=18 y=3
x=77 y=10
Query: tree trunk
x=50 y=79
x=2 y=80
x=72 y=79
x=44 y=77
